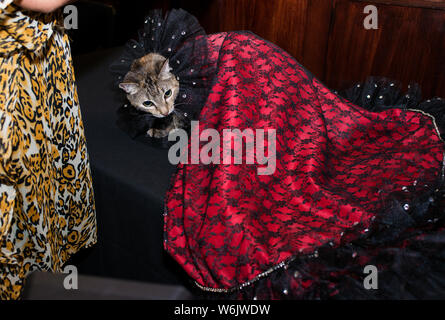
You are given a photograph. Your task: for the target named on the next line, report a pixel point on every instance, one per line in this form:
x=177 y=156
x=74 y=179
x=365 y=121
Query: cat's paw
x=156 y=133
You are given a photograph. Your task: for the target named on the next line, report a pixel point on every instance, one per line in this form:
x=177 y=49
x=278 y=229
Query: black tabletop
x=130 y=179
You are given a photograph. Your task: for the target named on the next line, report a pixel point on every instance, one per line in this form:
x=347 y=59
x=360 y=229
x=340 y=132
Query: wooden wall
x=409 y=45
x=328 y=37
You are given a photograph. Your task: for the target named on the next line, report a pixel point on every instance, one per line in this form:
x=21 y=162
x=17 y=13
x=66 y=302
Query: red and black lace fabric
x=339 y=169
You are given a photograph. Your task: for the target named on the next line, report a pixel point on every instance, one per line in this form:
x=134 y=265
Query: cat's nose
x=165 y=111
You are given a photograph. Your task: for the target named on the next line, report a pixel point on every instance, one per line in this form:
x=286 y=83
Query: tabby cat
x=152 y=88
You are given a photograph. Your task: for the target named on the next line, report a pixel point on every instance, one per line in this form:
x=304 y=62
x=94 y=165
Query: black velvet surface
x=130 y=179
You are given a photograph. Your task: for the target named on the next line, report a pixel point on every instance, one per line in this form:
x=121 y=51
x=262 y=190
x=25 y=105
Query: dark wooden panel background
x=328 y=37
x=301 y=27
x=409 y=45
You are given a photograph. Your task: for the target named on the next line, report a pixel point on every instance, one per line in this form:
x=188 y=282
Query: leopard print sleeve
x=8 y=145
x=7 y=189
x=24 y=29
x=47 y=208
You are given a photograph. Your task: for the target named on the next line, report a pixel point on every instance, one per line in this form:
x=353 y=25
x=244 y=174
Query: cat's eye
x=148 y=103
x=168 y=93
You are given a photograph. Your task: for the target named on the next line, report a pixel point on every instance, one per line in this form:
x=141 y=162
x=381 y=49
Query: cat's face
x=150 y=86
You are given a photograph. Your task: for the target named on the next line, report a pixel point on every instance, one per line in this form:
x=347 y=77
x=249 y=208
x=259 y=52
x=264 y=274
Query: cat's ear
x=165 y=74
x=129 y=87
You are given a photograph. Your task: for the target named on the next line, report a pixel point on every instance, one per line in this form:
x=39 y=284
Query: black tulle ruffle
x=378 y=94
x=178 y=36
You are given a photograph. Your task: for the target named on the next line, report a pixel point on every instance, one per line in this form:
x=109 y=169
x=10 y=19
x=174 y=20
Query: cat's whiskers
x=179 y=104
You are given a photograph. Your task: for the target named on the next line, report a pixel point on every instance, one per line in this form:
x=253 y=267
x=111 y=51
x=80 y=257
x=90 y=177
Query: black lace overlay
x=405 y=242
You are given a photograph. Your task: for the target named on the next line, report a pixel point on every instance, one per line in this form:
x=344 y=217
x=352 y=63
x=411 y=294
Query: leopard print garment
x=47 y=208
